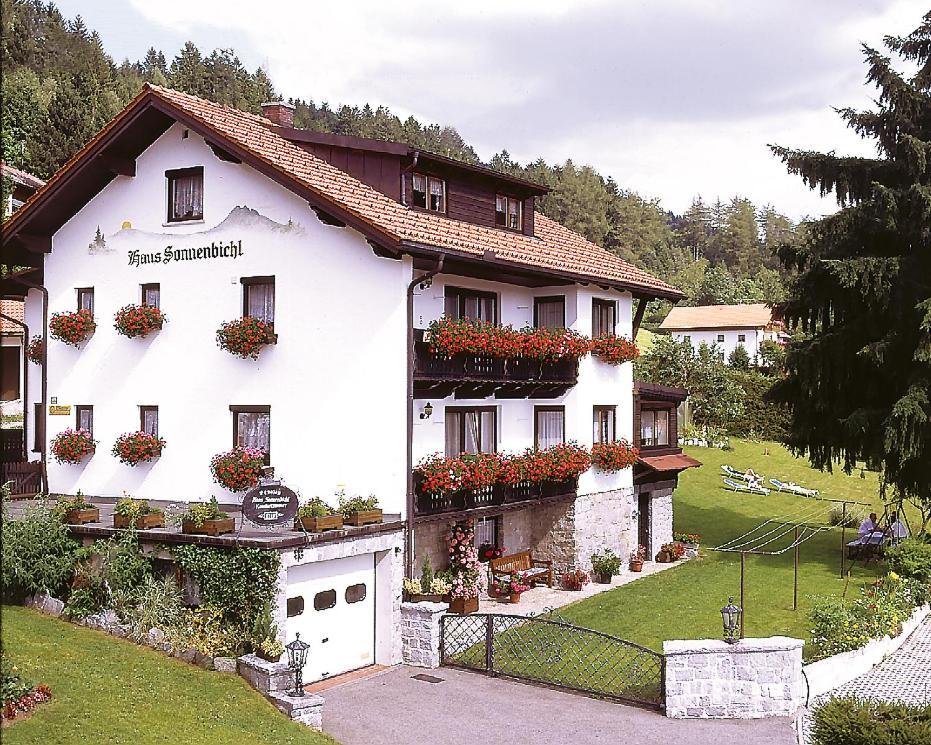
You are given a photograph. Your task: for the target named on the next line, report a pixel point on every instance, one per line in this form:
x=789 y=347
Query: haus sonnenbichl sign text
x=221 y=250
x=269 y=504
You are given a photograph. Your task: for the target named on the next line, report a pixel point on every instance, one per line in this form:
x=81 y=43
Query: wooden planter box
x=143 y=522
x=319 y=524
x=79 y=517
x=266 y=657
x=210 y=527
x=365 y=517
x=463 y=605
x=421 y=598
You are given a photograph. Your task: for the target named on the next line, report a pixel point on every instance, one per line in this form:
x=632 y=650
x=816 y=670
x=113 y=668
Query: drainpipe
x=405 y=171
x=25 y=329
x=409 y=543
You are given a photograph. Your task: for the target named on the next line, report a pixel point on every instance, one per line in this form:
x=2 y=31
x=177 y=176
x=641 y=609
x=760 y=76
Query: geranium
x=487 y=552
x=574 y=580
x=687 y=537
x=566 y=461
x=72 y=328
x=551 y=345
x=138 y=320
x=238 y=469
x=440 y=475
x=72 y=446
x=514 y=584
x=138 y=447
x=244 y=337
x=479 y=470
x=450 y=337
x=35 y=349
x=614 y=456
x=614 y=349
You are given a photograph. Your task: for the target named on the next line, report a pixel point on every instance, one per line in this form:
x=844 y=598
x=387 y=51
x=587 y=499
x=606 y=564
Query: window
x=654 y=427
x=86 y=299
x=148 y=420
x=687 y=339
x=151 y=294
x=509 y=212
x=258 y=298
x=604 y=313
x=429 y=193
x=741 y=337
x=470 y=430
x=549 y=312
x=295 y=606
x=185 y=194
x=488 y=530
x=549 y=425
x=355 y=593
x=252 y=428
x=603 y=424
x=325 y=600
x=84 y=418
x=471 y=304
x=38 y=430
x=720 y=337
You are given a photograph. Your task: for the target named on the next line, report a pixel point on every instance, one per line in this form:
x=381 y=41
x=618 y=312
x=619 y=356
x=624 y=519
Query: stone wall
x=430 y=540
x=710 y=679
x=420 y=633
x=553 y=534
x=661 y=518
x=604 y=520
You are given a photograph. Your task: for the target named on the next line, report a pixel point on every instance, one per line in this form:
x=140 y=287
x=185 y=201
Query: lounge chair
x=794 y=488
x=761 y=490
x=733 y=473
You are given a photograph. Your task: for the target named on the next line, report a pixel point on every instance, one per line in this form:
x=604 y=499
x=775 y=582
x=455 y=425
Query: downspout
x=409 y=542
x=25 y=329
x=405 y=171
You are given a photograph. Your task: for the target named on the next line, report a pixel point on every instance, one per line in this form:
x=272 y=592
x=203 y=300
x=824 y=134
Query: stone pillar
x=660 y=518
x=604 y=520
x=266 y=677
x=754 y=678
x=306 y=709
x=420 y=633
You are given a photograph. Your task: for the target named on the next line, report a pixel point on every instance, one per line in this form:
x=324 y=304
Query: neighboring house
x=11 y=356
x=24 y=186
x=350 y=248
x=728 y=326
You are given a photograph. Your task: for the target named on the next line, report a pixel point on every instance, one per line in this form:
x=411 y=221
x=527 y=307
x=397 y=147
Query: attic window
x=185 y=194
x=508 y=212
x=429 y=193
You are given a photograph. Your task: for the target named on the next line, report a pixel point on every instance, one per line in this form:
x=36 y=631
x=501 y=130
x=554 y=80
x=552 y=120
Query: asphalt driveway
x=393 y=708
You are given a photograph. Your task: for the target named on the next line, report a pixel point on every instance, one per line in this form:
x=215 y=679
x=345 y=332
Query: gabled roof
x=20 y=177
x=750 y=316
x=553 y=250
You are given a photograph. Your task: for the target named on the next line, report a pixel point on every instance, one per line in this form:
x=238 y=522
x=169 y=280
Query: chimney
x=279 y=112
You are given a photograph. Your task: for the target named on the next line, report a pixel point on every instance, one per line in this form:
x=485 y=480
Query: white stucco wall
x=335 y=381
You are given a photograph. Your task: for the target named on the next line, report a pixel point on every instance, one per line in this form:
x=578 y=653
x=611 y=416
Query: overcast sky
x=673 y=98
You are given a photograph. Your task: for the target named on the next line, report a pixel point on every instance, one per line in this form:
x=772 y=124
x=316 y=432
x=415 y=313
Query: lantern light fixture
x=297 y=658
x=427 y=411
x=730 y=614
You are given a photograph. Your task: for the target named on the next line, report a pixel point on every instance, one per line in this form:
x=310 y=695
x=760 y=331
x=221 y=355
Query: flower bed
x=19 y=696
x=244 y=337
x=72 y=328
x=612 y=457
x=133 y=448
x=73 y=446
x=35 y=349
x=138 y=320
x=238 y=469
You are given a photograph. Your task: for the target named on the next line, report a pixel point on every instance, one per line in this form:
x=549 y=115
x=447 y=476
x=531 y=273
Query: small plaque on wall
x=60 y=410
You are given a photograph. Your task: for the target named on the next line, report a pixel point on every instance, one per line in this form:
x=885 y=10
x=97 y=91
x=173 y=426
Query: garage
x=331 y=604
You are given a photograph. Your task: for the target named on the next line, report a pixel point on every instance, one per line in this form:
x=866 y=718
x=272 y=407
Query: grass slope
x=684 y=602
x=107 y=690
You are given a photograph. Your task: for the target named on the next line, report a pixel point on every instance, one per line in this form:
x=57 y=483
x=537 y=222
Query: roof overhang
x=669 y=463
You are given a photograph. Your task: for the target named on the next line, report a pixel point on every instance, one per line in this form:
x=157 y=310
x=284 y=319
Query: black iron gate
x=545 y=649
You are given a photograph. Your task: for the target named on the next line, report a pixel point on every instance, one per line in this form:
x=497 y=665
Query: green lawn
x=107 y=690
x=684 y=602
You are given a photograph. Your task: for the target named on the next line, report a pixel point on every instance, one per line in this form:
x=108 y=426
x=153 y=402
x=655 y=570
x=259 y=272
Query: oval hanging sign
x=269 y=504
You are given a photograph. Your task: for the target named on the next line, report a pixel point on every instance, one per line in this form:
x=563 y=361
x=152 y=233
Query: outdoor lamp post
x=297 y=658
x=731 y=615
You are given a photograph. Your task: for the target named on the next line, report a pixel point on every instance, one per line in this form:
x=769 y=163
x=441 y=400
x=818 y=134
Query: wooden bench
x=538 y=571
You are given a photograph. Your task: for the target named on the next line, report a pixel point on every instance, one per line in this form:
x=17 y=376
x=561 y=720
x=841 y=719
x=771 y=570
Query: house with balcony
x=353 y=254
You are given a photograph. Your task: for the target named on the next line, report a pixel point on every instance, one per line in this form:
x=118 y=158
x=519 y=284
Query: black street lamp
x=730 y=613
x=297 y=658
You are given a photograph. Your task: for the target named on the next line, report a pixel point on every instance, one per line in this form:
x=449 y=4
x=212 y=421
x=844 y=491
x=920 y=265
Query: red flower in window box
x=72 y=328
x=138 y=447
x=471 y=336
x=614 y=349
x=138 y=320
x=566 y=461
x=552 y=345
x=72 y=446
x=614 y=456
x=245 y=337
x=479 y=471
x=238 y=469
x=35 y=349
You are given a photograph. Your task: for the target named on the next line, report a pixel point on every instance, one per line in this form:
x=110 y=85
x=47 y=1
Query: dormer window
x=185 y=194
x=429 y=193
x=508 y=212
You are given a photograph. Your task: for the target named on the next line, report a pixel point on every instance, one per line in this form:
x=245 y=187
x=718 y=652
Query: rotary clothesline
x=782 y=527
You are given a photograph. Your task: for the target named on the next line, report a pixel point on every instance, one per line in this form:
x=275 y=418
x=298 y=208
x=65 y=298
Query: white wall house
x=726 y=326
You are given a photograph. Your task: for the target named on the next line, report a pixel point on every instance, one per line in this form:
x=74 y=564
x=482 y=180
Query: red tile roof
x=749 y=316
x=665 y=463
x=13 y=309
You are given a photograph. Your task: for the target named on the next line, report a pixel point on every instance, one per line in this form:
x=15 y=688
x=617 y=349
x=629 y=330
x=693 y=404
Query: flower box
x=364 y=517
x=143 y=522
x=421 y=598
x=319 y=524
x=138 y=320
x=463 y=605
x=267 y=657
x=83 y=515
x=219 y=526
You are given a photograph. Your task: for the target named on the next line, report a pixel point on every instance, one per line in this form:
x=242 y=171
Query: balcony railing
x=491 y=496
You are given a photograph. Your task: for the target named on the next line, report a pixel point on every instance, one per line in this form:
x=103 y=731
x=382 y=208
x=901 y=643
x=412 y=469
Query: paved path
x=395 y=709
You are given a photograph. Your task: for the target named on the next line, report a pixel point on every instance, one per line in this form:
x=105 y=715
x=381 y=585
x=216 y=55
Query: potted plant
x=138 y=320
x=691 y=542
x=605 y=564
x=35 y=349
x=574 y=579
x=466 y=578
x=670 y=552
x=137 y=513
x=264 y=636
x=72 y=328
x=206 y=518
x=636 y=559
x=360 y=511
x=510 y=589
x=238 y=469
x=315 y=516
x=133 y=448
x=77 y=510
x=73 y=445
x=430 y=588
x=245 y=337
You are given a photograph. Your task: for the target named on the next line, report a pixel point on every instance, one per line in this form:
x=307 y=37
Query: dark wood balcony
x=493 y=499
x=474 y=376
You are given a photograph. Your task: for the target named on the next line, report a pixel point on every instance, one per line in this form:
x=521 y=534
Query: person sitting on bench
x=897 y=532
x=868 y=527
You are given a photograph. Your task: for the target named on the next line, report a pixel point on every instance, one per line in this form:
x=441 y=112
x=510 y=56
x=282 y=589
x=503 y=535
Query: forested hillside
x=60 y=86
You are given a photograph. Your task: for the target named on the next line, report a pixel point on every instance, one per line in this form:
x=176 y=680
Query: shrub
x=72 y=446
x=766 y=420
x=138 y=320
x=38 y=553
x=911 y=558
x=205 y=630
x=849 y=721
x=157 y=606
x=264 y=635
x=72 y=328
x=853 y=516
x=238 y=469
x=108 y=574
x=244 y=337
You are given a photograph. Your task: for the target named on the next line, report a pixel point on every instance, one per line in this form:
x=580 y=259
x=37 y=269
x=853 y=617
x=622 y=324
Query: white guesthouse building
x=350 y=247
x=726 y=326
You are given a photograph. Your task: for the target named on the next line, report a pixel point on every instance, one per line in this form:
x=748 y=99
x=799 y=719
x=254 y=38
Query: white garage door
x=332 y=605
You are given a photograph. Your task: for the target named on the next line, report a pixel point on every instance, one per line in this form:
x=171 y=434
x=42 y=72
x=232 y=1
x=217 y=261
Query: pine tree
x=860 y=385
